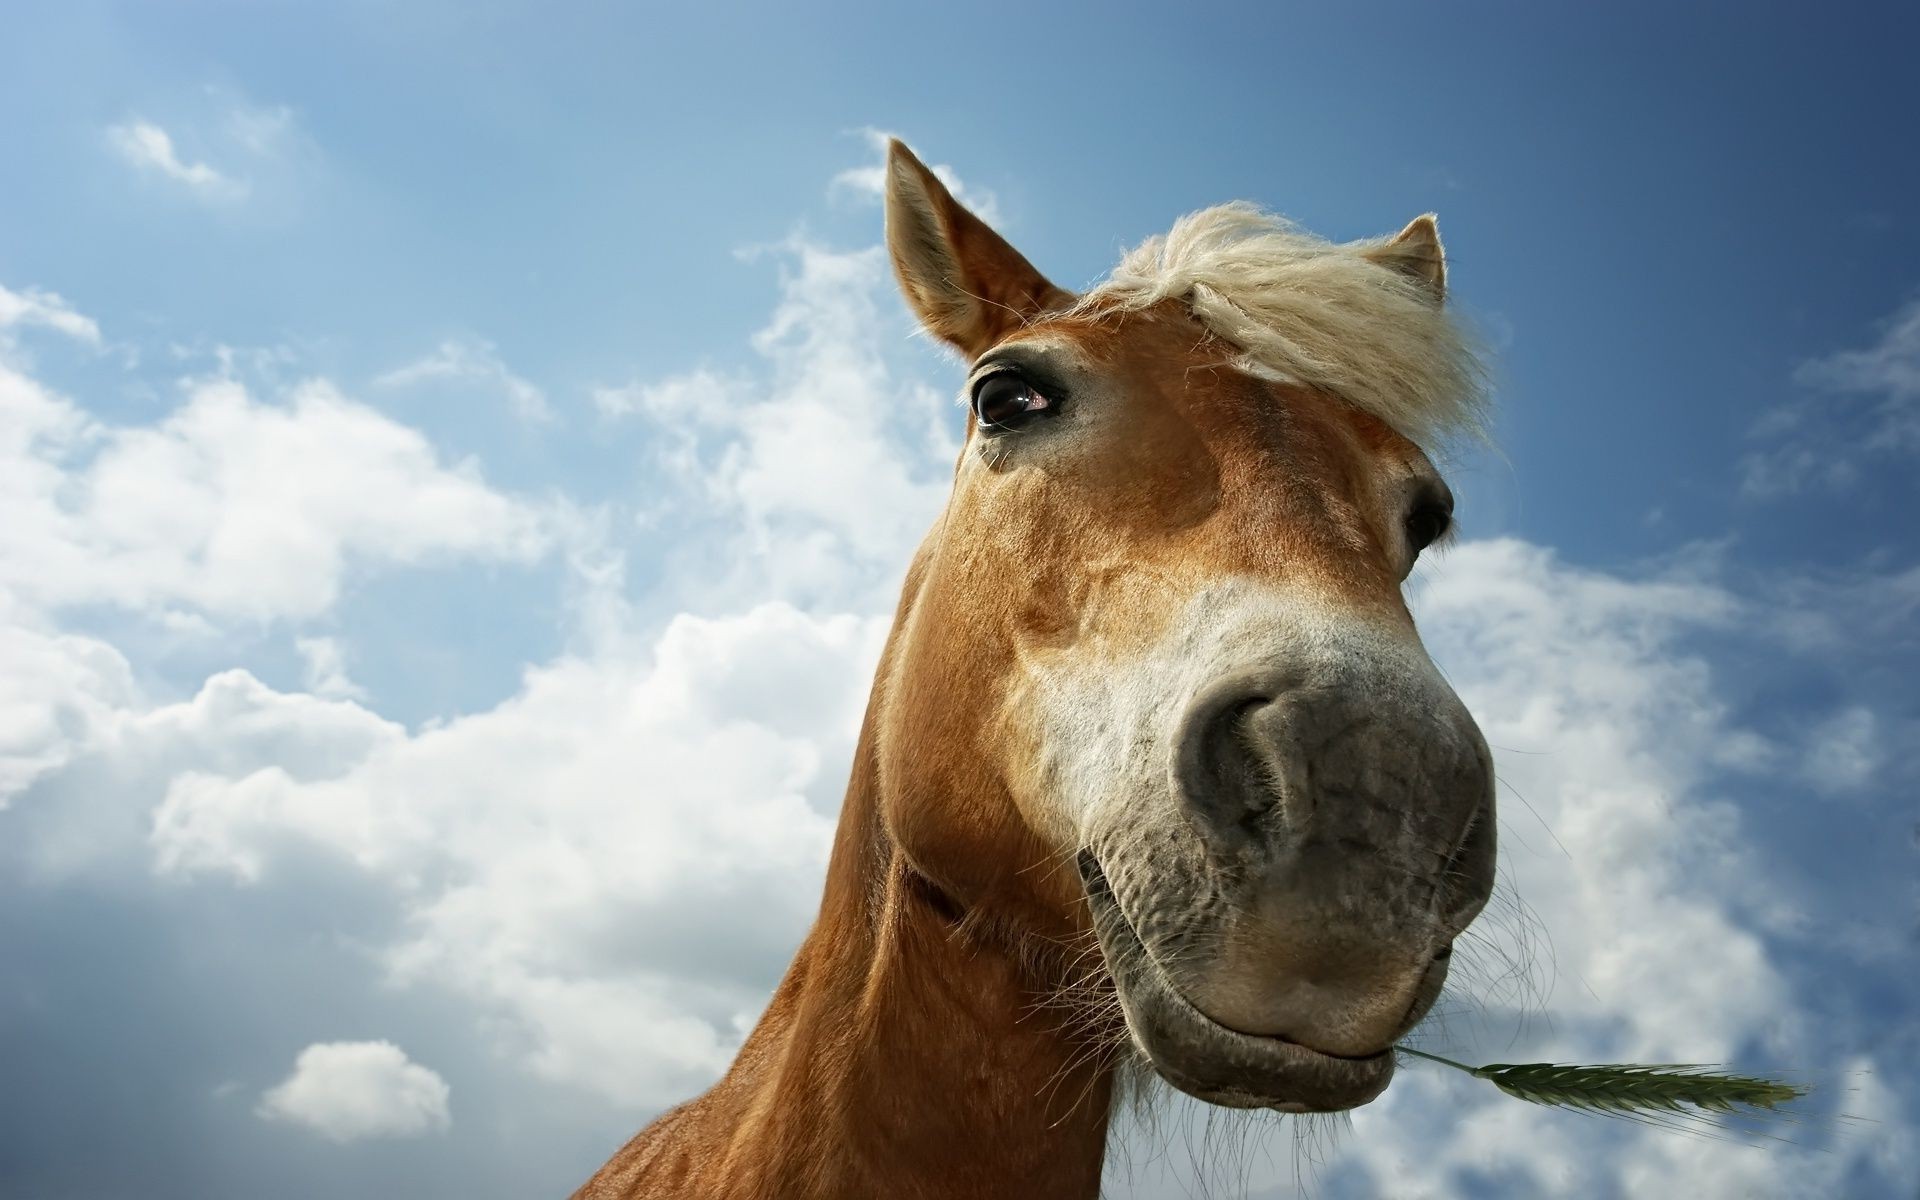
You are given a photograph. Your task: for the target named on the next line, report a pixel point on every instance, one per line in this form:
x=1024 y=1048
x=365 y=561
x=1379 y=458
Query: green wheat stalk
x=1631 y=1089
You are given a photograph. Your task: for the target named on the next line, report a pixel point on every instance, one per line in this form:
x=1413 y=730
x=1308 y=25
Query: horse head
x=1155 y=684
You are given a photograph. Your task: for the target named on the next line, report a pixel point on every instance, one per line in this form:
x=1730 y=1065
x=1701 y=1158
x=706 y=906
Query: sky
x=457 y=461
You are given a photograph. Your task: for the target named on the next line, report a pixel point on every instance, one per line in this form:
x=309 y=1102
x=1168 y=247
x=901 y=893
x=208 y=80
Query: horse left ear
x=1416 y=253
x=964 y=282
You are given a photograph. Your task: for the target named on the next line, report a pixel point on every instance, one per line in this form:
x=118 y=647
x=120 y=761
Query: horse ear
x=1416 y=253
x=964 y=282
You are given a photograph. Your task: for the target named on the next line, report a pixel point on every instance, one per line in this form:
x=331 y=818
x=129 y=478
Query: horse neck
x=904 y=1054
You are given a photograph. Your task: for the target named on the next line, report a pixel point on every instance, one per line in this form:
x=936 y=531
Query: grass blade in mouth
x=1630 y=1089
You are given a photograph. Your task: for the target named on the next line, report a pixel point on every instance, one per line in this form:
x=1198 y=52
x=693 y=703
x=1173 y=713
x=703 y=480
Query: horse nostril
x=1224 y=782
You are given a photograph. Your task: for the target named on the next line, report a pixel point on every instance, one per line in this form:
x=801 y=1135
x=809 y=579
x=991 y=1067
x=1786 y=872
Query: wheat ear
x=1627 y=1089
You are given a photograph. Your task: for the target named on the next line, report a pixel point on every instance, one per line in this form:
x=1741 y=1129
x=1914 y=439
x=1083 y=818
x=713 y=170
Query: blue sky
x=432 y=436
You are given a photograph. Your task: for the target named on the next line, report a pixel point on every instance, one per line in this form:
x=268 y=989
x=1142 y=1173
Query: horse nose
x=1324 y=773
x=1353 y=807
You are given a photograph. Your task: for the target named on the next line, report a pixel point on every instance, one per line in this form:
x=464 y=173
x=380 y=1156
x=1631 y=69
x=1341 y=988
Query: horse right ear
x=966 y=284
x=1416 y=253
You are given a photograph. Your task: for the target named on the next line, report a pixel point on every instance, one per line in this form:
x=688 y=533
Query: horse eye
x=1007 y=401
x=1427 y=525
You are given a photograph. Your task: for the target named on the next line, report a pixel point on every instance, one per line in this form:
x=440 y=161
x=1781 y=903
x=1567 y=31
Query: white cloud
x=114 y=753
x=58 y=693
x=473 y=361
x=612 y=864
x=819 y=473
x=231 y=506
x=870 y=181
x=568 y=861
x=1867 y=408
x=149 y=147
x=347 y=1091
x=227 y=508
x=35 y=307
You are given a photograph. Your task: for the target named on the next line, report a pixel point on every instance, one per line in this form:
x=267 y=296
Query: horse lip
x=1225 y=1028
x=1216 y=1062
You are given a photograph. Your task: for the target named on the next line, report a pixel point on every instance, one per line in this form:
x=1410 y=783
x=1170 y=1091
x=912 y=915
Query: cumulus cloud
x=612 y=864
x=108 y=754
x=1864 y=407
x=475 y=362
x=546 y=854
x=229 y=505
x=347 y=1091
x=227 y=508
x=59 y=692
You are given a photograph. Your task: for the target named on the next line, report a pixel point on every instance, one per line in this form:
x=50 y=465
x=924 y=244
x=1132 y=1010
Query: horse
x=1156 y=773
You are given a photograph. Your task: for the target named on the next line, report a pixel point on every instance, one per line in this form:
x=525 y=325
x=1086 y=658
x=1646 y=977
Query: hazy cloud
x=326 y=664
x=1865 y=406
x=148 y=147
x=45 y=309
x=221 y=148
x=473 y=361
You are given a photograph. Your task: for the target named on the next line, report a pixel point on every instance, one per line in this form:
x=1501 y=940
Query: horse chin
x=1211 y=1061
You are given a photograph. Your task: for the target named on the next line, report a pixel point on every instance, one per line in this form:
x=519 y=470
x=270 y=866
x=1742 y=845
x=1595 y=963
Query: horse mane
x=1305 y=310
